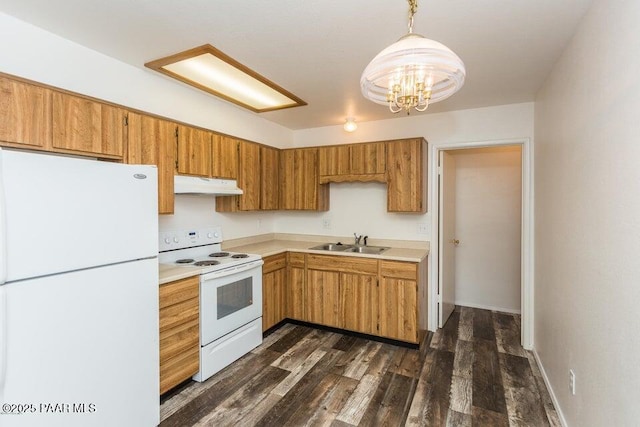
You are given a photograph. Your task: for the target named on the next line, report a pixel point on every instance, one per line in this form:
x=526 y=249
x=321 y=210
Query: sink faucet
x=357 y=238
x=365 y=240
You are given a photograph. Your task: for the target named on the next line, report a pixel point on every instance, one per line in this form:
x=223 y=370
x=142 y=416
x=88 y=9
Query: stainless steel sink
x=368 y=249
x=332 y=247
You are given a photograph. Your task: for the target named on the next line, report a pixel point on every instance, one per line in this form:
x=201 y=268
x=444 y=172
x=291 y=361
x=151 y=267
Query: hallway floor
x=474 y=372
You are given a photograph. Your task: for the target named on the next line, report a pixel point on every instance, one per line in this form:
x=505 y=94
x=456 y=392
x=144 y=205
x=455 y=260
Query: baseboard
x=488 y=307
x=551 y=393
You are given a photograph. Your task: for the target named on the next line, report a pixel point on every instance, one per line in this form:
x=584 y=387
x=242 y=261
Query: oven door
x=229 y=299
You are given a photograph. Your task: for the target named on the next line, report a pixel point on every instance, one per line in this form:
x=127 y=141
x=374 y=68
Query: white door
x=447 y=239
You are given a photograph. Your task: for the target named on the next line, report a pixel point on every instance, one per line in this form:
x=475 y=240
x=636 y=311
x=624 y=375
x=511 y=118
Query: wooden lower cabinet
x=397 y=300
x=295 y=286
x=179 y=332
x=359 y=301
x=274 y=277
x=367 y=295
x=322 y=298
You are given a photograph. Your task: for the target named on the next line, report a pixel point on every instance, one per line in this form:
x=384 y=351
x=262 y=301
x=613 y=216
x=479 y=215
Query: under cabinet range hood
x=197 y=185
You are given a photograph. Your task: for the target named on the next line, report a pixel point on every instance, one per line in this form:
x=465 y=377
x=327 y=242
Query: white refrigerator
x=78 y=292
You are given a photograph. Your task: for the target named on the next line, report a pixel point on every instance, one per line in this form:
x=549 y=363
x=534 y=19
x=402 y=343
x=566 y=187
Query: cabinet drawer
x=399 y=269
x=178 y=314
x=296 y=259
x=274 y=262
x=179 y=339
x=342 y=264
x=177 y=369
x=181 y=290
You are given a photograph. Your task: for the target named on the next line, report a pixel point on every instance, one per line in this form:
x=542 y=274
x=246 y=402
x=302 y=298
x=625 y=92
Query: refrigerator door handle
x=3 y=226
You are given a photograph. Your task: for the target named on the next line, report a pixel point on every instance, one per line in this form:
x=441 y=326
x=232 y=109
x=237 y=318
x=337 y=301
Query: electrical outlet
x=326 y=223
x=572 y=382
x=423 y=228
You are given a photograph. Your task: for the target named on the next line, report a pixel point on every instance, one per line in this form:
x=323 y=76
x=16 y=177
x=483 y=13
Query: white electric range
x=230 y=294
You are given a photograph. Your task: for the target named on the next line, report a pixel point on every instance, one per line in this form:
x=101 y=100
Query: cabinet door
x=334 y=160
x=274 y=274
x=249 y=176
x=152 y=142
x=322 y=299
x=295 y=293
x=406 y=176
x=179 y=332
x=269 y=178
x=397 y=309
x=368 y=159
x=194 y=151
x=224 y=157
x=87 y=127
x=359 y=302
x=300 y=189
x=25 y=113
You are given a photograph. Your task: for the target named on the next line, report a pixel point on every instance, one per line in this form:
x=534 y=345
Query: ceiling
x=317 y=49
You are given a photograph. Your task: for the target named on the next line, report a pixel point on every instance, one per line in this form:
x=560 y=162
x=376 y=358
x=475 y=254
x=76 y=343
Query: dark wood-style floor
x=474 y=372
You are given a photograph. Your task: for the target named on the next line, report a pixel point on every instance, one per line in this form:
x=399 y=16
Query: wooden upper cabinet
x=334 y=160
x=249 y=176
x=407 y=175
x=354 y=162
x=25 y=113
x=269 y=178
x=224 y=157
x=88 y=127
x=152 y=142
x=194 y=151
x=301 y=189
x=368 y=159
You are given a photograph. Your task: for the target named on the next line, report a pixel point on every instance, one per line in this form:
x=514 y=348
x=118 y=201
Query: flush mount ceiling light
x=413 y=72
x=213 y=71
x=350 y=124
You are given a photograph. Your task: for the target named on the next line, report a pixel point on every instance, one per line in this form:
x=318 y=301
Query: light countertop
x=268 y=245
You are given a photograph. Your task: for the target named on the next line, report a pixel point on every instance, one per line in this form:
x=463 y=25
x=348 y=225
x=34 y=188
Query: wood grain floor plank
x=488 y=392
x=360 y=363
x=507 y=334
x=356 y=405
x=299 y=352
x=456 y=419
x=524 y=407
x=290 y=339
x=390 y=404
x=486 y=418
x=323 y=404
x=298 y=373
x=463 y=361
x=273 y=337
x=461 y=394
x=483 y=325
x=420 y=404
x=465 y=324
x=449 y=333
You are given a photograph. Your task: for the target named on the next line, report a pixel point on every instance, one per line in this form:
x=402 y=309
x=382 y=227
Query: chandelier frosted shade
x=412 y=73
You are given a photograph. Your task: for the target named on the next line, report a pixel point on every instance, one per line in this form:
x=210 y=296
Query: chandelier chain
x=413 y=8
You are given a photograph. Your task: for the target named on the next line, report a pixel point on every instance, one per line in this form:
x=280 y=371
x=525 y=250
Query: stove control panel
x=180 y=239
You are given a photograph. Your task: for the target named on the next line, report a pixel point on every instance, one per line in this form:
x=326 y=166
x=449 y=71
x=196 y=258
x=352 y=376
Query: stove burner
x=240 y=256
x=219 y=254
x=206 y=263
x=184 y=261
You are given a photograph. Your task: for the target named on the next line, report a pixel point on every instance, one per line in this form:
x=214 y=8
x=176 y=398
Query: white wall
x=361 y=208
x=587 y=195
x=33 y=53
x=488 y=220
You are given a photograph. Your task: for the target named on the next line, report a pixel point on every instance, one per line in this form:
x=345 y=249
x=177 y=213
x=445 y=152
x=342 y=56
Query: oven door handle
x=232 y=270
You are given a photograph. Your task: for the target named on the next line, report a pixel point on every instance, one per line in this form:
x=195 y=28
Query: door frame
x=526 y=249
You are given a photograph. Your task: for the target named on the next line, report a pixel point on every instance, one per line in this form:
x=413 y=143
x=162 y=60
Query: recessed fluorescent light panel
x=213 y=71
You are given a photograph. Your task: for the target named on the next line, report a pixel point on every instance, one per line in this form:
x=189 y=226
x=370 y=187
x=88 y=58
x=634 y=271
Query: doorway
x=509 y=287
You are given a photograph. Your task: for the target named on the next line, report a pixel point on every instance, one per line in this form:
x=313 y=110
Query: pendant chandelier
x=413 y=72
